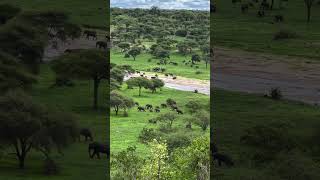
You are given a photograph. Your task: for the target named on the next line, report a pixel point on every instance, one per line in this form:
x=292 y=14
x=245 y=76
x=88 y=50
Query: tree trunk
x=21 y=162
x=95 y=92
x=116 y=110
x=272 y=2
x=309 y=13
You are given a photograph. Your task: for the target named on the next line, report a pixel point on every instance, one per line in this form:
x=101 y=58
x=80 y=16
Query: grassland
x=235 y=112
x=91 y=13
x=231 y=28
x=142 y=63
x=125 y=130
x=75 y=164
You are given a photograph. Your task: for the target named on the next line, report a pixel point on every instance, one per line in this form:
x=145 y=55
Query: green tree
x=156 y=166
x=167 y=117
x=155 y=83
x=202 y=119
x=27 y=125
x=193 y=162
x=194 y=106
x=195 y=58
x=127 y=164
x=124 y=46
x=139 y=82
x=118 y=101
x=134 y=52
x=84 y=64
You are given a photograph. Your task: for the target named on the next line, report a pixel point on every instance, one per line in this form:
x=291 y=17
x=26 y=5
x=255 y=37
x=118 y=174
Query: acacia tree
x=134 y=52
x=84 y=64
x=118 y=101
x=155 y=83
x=27 y=35
x=27 y=125
x=309 y=4
x=139 y=82
x=124 y=46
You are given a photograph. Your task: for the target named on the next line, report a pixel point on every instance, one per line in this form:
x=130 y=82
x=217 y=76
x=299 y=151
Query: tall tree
x=84 y=64
x=139 y=82
x=26 y=125
x=309 y=4
x=134 y=52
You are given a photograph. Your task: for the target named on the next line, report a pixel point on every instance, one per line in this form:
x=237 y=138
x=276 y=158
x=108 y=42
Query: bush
x=296 y=166
x=50 y=167
x=284 y=34
x=147 y=135
x=198 y=72
x=275 y=93
x=63 y=81
x=127 y=55
x=267 y=140
x=178 y=141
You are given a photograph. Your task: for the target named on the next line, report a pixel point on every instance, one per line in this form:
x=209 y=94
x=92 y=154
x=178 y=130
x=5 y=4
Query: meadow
x=236 y=112
x=93 y=14
x=125 y=130
x=234 y=29
x=75 y=164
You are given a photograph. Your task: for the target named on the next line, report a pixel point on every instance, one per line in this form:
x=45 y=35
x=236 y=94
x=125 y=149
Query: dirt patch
x=298 y=78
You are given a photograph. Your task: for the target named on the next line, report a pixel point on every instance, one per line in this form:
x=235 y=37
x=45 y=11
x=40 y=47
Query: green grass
x=141 y=63
x=235 y=112
x=233 y=29
x=125 y=130
x=75 y=164
x=93 y=13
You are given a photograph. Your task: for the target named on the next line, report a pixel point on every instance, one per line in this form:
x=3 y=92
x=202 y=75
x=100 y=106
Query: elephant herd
x=93 y=35
x=150 y=108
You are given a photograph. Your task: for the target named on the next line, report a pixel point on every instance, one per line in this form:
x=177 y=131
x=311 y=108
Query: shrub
x=125 y=114
x=275 y=93
x=296 y=166
x=147 y=135
x=63 y=81
x=178 y=141
x=284 y=34
x=127 y=55
x=50 y=167
x=267 y=140
x=198 y=72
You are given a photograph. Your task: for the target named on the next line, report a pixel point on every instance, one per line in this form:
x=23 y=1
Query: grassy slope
x=125 y=130
x=142 y=63
x=233 y=29
x=76 y=164
x=93 y=13
x=235 y=112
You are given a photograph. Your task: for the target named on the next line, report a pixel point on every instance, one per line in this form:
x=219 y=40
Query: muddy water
x=297 y=78
x=181 y=83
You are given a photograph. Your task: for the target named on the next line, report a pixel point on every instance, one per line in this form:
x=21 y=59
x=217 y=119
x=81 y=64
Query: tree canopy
x=84 y=64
